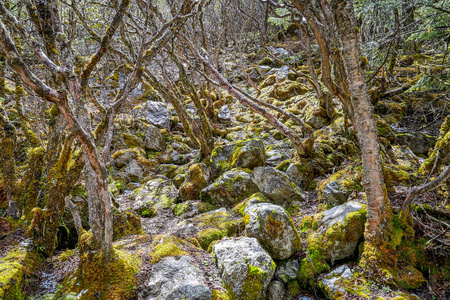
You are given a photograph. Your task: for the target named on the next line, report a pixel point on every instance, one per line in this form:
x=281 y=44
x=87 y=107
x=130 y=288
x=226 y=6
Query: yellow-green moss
x=126 y=223
x=220 y=295
x=13 y=268
x=207 y=236
x=195 y=182
x=182 y=208
x=96 y=280
x=66 y=255
x=166 y=246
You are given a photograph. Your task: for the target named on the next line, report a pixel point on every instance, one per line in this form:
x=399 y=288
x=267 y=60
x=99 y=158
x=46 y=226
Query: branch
x=16 y=62
x=424 y=188
x=104 y=43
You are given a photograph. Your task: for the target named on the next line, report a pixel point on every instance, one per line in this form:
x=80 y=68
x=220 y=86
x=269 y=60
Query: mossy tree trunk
x=378 y=225
x=7 y=146
x=76 y=118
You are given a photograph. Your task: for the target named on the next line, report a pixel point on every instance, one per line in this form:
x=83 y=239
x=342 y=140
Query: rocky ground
x=255 y=221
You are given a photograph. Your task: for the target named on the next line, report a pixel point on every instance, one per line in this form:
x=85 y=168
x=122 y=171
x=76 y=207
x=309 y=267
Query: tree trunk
x=378 y=225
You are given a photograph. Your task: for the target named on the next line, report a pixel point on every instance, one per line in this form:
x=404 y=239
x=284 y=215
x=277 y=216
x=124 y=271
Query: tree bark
x=378 y=225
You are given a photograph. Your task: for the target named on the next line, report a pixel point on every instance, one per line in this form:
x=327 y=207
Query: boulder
x=343 y=228
x=219 y=219
x=174 y=278
x=157 y=193
x=245 y=267
x=344 y=225
x=154 y=139
x=126 y=223
x=230 y=188
x=245 y=154
x=133 y=172
x=155 y=113
x=294 y=171
x=334 y=283
x=275 y=291
x=316 y=117
x=197 y=179
x=419 y=143
x=337 y=188
x=274 y=229
x=276 y=185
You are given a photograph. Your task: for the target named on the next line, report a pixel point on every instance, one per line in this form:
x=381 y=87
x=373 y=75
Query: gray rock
x=134 y=172
x=335 y=194
x=344 y=227
x=245 y=154
x=275 y=291
x=230 y=188
x=155 y=113
x=279 y=51
x=245 y=267
x=287 y=270
x=274 y=157
x=224 y=114
x=297 y=177
x=339 y=213
x=332 y=284
x=175 y=278
x=154 y=140
x=276 y=185
x=158 y=192
x=274 y=229
x=419 y=143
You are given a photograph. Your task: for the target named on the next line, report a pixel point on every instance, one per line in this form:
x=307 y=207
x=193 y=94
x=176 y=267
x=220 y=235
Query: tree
x=333 y=25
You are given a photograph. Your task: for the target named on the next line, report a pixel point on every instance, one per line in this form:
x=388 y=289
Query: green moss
x=148 y=212
x=95 y=280
x=126 y=223
x=13 y=270
x=182 y=208
x=166 y=246
x=205 y=207
x=195 y=182
x=207 y=236
x=293 y=288
x=314 y=263
x=220 y=295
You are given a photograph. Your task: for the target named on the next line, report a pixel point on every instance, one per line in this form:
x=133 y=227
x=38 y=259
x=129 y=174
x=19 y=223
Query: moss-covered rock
x=245 y=267
x=336 y=189
x=131 y=141
x=165 y=246
x=331 y=236
x=14 y=267
x=206 y=236
x=274 y=229
x=245 y=154
x=126 y=223
x=230 y=188
x=219 y=219
x=316 y=116
x=276 y=185
x=197 y=179
x=288 y=89
x=157 y=193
